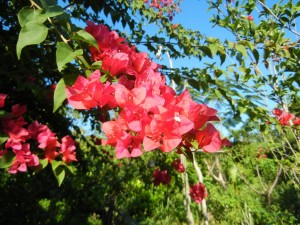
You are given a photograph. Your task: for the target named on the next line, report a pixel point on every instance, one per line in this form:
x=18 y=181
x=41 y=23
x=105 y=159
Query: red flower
x=128 y=146
x=198 y=192
x=296 y=121
x=24 y=158
x=249 y=17
x=2 y=100
x=226 y=142
x=285 y=118
x=88 y=93
x=179 y=167
x=116 y=63
x=67 y=149
x=209 y=139
x=161 y=177
x=277 y=112
x=166 y=129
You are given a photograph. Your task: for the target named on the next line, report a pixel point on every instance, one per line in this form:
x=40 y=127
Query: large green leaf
x=82 y=35
x=7 y=160
x=32 y=33
x=65 y=54
x=28 y=14
x=60 y=90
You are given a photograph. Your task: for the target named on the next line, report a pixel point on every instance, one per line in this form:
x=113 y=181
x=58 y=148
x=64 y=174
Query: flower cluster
x=21 y=136
x=150 y=114
x=262 y=153
x=172 y=6
x=198 y=192
x=161 y=177
x=285 y=118
x=179 y=167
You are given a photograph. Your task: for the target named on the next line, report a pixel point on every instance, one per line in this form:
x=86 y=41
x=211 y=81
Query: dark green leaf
x=7 y=160
x=3 y=138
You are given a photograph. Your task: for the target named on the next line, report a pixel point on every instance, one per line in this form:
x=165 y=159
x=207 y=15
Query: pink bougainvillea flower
x=67 y=149
x=166 y=129
x=113 y=130
x=24 y=158
x=198 y=192
x=125 y=97
x=116 y=63
x=209 y=139
x=103 y=94
x=161 y=177
x=200 y=114
x=128 y=146
x=179 y=167
x=80 y=95
x=2 y=100
x=133 y=118
x=18 y=110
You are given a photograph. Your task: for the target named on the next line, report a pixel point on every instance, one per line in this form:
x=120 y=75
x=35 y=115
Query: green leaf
x=233 y=173
x=213 y=48
x=7 y=160
x=32 y=33
x=65 y=54
x=28 y=14
x=3 y=138
x=194 y=83
x=43 y=163
x=241 y=49
x=55 y=164
x=256 y=55
x=3 y=113
x=60 y=90
x=97 y=65
x=53 y=10
x=59 y=173
x=82 y=35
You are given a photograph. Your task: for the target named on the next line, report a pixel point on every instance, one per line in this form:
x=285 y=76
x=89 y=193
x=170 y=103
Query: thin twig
x=249 y=185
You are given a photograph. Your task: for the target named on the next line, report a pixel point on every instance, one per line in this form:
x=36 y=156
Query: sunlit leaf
x=65 y=54
x=32 y=33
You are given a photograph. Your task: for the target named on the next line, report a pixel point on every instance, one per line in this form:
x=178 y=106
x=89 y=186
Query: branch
x=249 y=185
x=279 y=171
x=200 y=178
x=187 y=197
x=260 y=180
